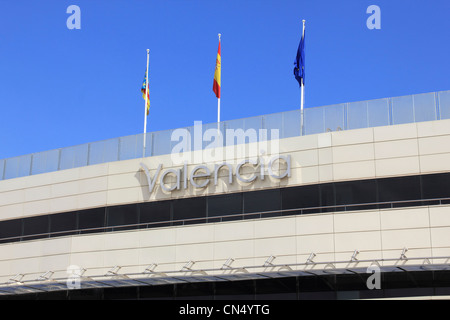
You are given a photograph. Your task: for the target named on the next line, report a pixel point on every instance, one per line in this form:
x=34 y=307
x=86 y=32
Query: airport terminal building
x=355 y=205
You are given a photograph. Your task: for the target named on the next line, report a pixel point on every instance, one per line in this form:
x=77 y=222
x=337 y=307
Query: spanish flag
x=143 y=89
x=216 y=84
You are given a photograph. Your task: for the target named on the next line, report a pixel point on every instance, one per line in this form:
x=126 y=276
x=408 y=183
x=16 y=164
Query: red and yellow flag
x=216 y=84
x=143 y=89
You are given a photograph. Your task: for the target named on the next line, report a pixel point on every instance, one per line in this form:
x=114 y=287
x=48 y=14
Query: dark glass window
x=236 y=290
x=442 y=279
x=190 y=208
x=35 y=226
x=276 y=289
x=399 y=189
x=436 y=186
x=120 y=293
x=200 y=291
x=63 y=222
x=300 y=197
x=10 y=228
x=350 y=283
x=315 y=284
x=122 y=217
x=85 y=294
x=355 y=192
x=90 y=219
x=327 y=196
x=261 y=201
x=227 y=204
x=155 y=292
x=152 y=212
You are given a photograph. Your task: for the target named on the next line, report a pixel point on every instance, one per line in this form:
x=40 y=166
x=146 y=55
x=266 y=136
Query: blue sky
x=61 y=87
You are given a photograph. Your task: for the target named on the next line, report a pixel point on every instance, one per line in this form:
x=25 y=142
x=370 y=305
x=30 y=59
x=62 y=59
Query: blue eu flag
x=299 y=64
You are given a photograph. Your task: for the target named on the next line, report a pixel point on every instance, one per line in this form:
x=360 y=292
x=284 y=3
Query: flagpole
x=218 y=99
x=145 y=109
x=302 y=91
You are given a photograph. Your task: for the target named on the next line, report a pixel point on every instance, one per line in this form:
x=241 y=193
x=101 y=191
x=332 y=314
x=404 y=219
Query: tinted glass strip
x=432 y=189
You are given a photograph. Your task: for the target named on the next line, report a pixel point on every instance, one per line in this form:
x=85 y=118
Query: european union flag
x=299 y=64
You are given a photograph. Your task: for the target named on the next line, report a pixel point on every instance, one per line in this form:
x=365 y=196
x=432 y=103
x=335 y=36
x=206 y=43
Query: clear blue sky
x=61 y=87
